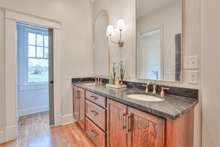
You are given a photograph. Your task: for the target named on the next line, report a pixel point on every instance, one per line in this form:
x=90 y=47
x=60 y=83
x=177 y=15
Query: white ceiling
x=145 y=7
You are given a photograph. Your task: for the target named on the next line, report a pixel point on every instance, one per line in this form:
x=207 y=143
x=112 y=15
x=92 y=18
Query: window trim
x=26 y=44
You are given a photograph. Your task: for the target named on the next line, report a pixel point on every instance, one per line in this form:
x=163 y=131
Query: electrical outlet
x=190 y=62
x=192 y=77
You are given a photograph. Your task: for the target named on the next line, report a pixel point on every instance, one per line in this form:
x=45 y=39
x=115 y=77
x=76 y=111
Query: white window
x=37 y=56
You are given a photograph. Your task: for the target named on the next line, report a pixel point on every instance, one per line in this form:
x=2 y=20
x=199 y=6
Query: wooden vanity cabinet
x=79 y=106
x=116 y=124
x=128 y=127
x=145 y=130
x=112 y=124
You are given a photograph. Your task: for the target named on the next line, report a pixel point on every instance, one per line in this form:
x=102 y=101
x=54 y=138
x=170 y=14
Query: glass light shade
x=121 y=25
x=109 y=30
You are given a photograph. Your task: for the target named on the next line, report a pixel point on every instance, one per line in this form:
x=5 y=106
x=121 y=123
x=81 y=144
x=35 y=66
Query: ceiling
x=145 y=7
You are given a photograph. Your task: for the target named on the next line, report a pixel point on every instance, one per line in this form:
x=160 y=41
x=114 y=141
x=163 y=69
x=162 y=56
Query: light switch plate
x=190 y=62
x=192 y=77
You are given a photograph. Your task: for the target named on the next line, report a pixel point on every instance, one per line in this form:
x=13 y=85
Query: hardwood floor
x=34 y=131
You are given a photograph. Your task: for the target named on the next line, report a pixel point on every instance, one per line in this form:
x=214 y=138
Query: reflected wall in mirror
x=159 y=38
x=101 y=48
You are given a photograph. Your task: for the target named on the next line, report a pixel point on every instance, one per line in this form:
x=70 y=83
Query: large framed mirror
x=159 y=39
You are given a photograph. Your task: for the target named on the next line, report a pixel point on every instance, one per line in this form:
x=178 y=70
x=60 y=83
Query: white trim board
x=8 y=134
x=67 y=119
x=32 y=19
x=1 y=137
x=11 y=18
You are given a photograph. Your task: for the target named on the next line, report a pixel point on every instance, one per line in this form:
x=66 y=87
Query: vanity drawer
x=95 y=134
x=97 y=114
x=99 y=100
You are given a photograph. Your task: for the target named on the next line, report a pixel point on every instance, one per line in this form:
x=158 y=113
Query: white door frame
x=11 y=18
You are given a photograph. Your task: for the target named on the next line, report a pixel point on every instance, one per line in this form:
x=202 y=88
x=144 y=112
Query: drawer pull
x=94 y=113
x=124 y=121
x=129 y=118
x=94 y=97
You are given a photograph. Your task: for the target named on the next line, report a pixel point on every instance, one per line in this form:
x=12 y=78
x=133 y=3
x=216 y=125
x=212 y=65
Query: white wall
x=101 y=48
x=76 y=38
x=32 y=100
x=117 y=9
x=168 y=20
x=210 y=73
x=1 y=71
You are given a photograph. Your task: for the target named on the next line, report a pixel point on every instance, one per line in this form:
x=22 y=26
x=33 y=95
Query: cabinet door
x=116 y=124
x=81 y=108
x=76 y=103
x=145 y=130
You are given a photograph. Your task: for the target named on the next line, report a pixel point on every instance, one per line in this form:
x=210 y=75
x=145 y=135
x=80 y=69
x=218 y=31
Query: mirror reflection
x=159 y=37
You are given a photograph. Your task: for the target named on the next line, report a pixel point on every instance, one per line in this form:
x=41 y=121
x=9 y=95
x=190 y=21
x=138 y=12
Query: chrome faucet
x=98 y=80
x=154 y=89
x=147 y=87
x=162 y=92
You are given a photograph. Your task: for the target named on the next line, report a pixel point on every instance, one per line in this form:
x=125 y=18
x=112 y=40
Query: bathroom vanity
x=111 y=119
x=141 y=41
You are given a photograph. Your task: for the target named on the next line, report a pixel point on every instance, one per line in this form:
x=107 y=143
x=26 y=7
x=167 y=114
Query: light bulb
x=109 y=30
x=120 y=25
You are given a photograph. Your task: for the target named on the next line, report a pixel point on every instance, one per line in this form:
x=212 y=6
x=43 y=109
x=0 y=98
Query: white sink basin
x=144 y=97
x=90 y=84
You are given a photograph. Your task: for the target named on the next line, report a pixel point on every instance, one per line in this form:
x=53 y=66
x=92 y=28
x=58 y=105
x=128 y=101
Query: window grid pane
x=40 y=51
x=31 y=39
x=31 y=51
x=40 y=41
x=45 y=52
x=46 y=41
x=37 y=57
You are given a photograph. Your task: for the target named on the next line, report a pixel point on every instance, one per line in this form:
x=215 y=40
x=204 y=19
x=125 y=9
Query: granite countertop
x=173 y=106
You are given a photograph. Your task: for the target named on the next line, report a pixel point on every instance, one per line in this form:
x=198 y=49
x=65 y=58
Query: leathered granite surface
x=172 y=107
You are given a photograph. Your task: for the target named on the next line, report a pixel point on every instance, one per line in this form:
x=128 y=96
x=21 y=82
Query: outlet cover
x=192 y=77
x=190 y=62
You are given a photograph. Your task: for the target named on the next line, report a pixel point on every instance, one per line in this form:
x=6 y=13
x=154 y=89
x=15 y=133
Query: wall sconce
x=120 y=28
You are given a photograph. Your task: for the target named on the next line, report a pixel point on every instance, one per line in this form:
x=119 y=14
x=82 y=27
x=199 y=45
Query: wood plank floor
x=34 y=131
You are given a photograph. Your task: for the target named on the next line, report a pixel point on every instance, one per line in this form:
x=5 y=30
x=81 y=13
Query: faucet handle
x=162 y=92
x=146 y=84
x=147 y=87
x=154 y=88
x=97 y=79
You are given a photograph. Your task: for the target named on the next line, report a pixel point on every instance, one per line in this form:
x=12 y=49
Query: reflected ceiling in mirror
x=159 y=39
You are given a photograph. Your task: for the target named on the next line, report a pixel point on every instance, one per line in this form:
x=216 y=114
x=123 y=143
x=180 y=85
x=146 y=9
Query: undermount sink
x=144 y=97
x=89 y=84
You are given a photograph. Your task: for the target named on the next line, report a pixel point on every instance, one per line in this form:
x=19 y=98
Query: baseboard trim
x=9 y=134
x=58 y=120
x=1 y=137
x=67 y=119
x=23 y=112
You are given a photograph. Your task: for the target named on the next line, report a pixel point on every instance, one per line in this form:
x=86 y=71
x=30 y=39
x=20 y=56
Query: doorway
x=34 y=71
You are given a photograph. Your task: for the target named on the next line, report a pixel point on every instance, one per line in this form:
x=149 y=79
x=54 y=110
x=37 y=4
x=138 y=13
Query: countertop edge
x=139 y=107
